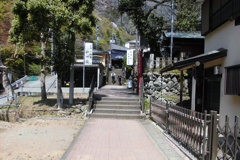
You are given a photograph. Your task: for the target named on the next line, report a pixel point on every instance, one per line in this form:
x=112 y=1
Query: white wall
x=226 y=36
x=127 y=45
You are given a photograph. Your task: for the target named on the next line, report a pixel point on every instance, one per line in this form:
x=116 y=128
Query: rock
x=150 y=84
x=78 y=111
x=84 y=108
x=170 y=84
x=163 y=91
x=147 y=112
x=175 y=80
x=150 y=76
x=69 y=110
x=163 y=85
x=167 y=89
x=67 y=105
x=185 y=83
x=157 y=83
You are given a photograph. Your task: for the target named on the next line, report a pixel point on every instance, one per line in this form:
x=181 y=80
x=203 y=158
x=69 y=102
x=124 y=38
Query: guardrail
x=16 y=83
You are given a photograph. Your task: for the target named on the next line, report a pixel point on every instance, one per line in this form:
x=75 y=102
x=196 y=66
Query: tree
x=152 y=16
x=187 y=17
x=148 y=23
x=75 y=17
x=33 y=20
x=31 y=23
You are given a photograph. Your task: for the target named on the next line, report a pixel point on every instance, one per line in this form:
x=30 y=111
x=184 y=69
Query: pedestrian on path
x=113 y=77
x=119 y=79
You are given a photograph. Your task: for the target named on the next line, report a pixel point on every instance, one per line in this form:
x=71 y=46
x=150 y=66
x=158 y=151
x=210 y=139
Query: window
x=79 y=57
x=232 y=80
x=237 y=21
x=96 y=60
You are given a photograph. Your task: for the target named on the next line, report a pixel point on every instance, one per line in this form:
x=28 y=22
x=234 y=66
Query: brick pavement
x=113 y=139
x=120 y=139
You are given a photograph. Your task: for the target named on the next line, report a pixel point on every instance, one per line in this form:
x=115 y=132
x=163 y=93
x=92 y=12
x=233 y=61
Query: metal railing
x=200 y=133
x=228 y=140
x=142 y=96
x=188 y=127
x=91 y=94
x=107 y=74
x=16 y=83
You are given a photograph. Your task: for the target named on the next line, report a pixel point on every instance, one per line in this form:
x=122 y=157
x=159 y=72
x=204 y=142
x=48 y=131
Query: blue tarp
x=117 y=54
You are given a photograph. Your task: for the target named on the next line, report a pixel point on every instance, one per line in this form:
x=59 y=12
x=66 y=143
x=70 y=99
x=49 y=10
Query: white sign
x=112 y=41
x=88 y=54
x=129 y=57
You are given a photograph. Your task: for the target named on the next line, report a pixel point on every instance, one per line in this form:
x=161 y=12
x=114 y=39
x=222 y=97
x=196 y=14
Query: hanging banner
x=88 y=54
x=129 y=57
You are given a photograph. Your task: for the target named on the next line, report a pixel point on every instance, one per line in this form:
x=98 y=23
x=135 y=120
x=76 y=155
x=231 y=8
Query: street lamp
x=25 y=64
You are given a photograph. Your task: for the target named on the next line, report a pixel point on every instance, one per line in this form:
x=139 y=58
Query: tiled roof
x=184 y=35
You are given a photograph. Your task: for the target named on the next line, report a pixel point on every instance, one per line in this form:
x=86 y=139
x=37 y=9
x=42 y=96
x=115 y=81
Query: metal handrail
x=91 y=94
x=107 y=74
x=142 y=96
x=18 y=81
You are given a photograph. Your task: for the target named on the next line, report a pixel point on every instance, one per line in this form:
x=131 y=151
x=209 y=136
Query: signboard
x=112 y=41
x=88 y=54
x=129 y=57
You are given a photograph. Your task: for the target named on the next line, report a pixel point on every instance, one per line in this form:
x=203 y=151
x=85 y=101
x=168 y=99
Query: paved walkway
x=118 y=139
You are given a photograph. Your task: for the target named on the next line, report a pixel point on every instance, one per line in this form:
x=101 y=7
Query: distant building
x=116 y=55
x=100 y=60
x=131 y=44
x=186 y=44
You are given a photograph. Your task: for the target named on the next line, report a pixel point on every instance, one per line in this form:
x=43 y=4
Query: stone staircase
x=119 y=108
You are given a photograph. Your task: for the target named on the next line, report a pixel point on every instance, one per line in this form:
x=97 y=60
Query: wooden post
x=169 y=60
x=157 y=62
x=175 y=59
x=181 y=89
x=151 y=66
x=163 y=62
x=193 y=89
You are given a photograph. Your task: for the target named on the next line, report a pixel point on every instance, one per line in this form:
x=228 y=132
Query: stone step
x=118 y=106
x=117 y=116
x=117 y=111
x=118 y=99
x=118 y=102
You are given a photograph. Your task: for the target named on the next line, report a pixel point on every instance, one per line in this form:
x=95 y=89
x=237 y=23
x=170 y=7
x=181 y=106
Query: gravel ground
x=37 y=138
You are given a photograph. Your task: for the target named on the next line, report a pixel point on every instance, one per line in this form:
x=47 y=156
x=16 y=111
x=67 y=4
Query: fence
x=91 y=94
x=161 y=62
x=198 y=132
x=14 y=98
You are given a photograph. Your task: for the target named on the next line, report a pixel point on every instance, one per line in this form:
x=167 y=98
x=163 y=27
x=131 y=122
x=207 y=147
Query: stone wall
x=166 y=87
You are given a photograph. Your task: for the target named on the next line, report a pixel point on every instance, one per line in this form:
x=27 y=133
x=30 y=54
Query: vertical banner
x=129 y=57
x=88 y=54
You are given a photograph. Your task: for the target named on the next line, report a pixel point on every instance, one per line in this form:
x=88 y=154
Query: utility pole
x=172 y=30
x=97 y=35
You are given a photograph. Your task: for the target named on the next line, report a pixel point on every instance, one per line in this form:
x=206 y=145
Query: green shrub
x=146 y=104
x=34 y=69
